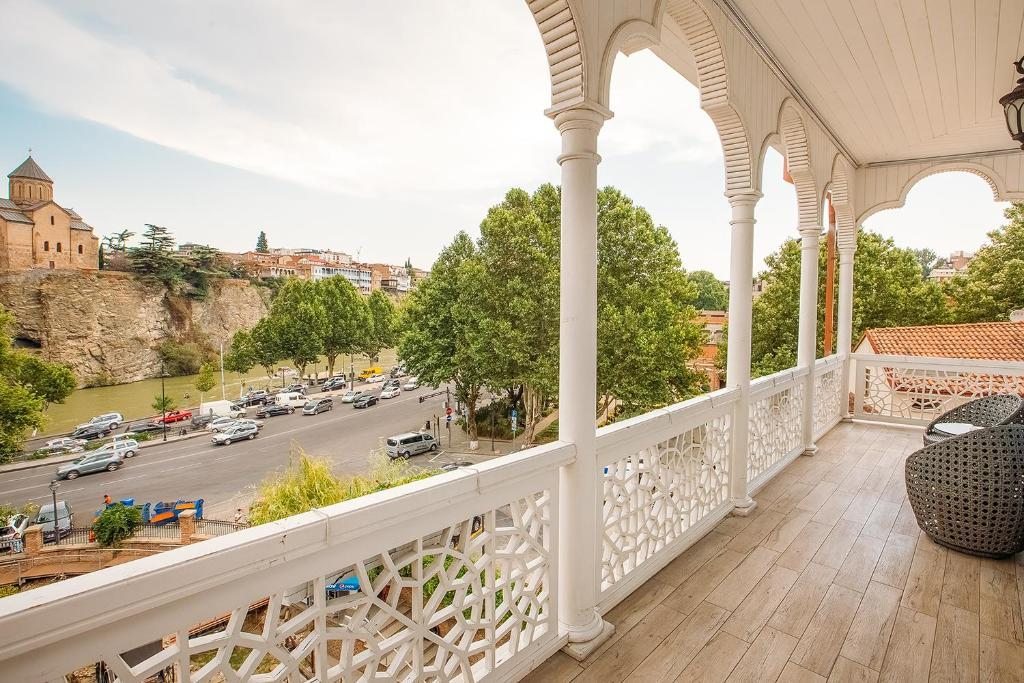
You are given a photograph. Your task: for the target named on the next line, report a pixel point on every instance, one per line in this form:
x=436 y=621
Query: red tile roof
x=980 y=341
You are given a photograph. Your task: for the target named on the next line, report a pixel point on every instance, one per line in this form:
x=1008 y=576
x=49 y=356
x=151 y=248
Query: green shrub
x=116 y=523
x=183 y=358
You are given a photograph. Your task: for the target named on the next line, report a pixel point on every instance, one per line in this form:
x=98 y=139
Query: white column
x=807 y=344
x=579 y=539
x=741 y=276
x=844 y=338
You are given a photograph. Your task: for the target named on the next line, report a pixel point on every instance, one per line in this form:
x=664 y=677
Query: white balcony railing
x=831 y=393
x=457 y=579
x=665 y=478
x=915 y=390
x=774 y=432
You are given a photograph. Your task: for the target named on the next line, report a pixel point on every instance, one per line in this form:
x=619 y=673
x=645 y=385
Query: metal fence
x=216 y=527
x=170 y=531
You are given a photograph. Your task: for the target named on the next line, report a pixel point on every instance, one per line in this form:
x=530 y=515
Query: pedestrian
x=238 y=516
x=106 y=499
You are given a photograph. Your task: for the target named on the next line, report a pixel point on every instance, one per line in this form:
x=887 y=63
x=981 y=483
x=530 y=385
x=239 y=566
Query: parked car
x=97 y=461
x=64 y=442
x=219 y=424
x=375 y=379
x=390 y=392
x=254 y=398
x=222 y=408
x=258 y=424
x=365 y=401
x=145 y=428
x=409 y=444
x=12 y=532
x=47 y=451
x=297 y=387
x=63 y=516
x=398 y=371
x=175 y=416
x=335 y=383
x=393 y=382
x=238 y=432
x=317 y=406
x=274 y=409
x=351 y=396
x=108 y=420
x=452 y=466
x=91 y=431
x=411 y=384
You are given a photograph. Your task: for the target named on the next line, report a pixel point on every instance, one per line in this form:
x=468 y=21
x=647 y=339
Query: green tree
x=264 y=348
x=889 y=290
x=297 y=320
x=993 y=284
x=927 y=259
x=261 y=243
x=383 y=332
x=115 y=524
x=163 y=404
x=27 y=385
x=154 y=258
x=712 y=294
x=347 y=318
x=206 y=380
x=202 y=265
x=439 y=323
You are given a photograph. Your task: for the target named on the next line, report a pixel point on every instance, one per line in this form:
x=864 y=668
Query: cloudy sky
x=379 y=128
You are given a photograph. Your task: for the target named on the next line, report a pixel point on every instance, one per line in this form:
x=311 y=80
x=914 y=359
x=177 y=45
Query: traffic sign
x=513 y=414
x=448 y=418
x=448 y=412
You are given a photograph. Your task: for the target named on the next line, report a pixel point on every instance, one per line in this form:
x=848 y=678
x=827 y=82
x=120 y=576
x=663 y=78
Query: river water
x=134 y=400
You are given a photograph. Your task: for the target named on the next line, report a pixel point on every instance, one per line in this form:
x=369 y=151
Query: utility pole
x=163 y=400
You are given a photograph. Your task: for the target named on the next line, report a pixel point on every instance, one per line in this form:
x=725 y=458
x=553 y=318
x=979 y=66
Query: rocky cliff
x=107 y=325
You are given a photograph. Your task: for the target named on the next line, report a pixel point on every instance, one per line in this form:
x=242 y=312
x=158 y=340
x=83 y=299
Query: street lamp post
x=351 y=372
x=54 y=485
x=163 y=400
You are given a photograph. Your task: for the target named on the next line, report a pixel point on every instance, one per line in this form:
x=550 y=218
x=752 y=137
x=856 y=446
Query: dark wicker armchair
x=968 y=491
x=989 y=411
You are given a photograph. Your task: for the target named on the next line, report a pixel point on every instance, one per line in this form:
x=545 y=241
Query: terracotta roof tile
x=981 y=341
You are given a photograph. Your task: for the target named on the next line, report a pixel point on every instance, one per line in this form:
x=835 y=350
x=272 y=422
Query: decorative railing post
x=807 y=345
x=847 y=247
x=580 y=496
x=741 y=272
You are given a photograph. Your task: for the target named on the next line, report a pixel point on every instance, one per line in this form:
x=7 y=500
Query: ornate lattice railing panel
x=330 y=596
x=915 y=390
x=830 y=393
x=774 y=430
x=664 y=475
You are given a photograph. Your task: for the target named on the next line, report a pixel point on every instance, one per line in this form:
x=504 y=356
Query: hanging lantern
x=1013 y=106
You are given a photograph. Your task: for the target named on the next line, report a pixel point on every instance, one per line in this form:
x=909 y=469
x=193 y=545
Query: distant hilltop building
x=948 y=268
x=36 y=231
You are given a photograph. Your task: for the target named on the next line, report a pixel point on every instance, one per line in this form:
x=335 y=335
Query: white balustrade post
x=844 y=338
x=807 y=344
x=741 y=277
x=580 y=495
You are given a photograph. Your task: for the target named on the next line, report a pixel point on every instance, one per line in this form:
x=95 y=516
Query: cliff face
x=107 y=325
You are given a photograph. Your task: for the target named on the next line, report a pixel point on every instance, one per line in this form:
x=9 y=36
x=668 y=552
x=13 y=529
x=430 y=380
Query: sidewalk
x=59 y=459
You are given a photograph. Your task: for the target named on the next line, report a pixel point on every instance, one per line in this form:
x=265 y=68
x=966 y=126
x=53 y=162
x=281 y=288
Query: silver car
x=237 y=433
x=98 y=461
x=409 y=444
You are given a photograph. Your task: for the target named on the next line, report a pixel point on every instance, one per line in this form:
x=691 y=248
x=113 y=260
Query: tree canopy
x=28 y=384
x=889 y=290
x=712 y=294
x=261 y=243
x=993 y=284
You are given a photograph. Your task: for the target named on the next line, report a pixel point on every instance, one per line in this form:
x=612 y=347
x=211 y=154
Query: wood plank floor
x=830 y=579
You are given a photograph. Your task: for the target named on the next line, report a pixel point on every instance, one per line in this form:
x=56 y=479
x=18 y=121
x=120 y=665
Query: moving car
x=108 y=420
x=64 y=518
x=175 y=416
x=390 y=392
x=100 y=460
x=393 y=382
x=375 y=379
x=411 y=384
x=12 y=532
x=238 y=432
x=409 y=444
x=297 y=388
x=294 y=399
x=220 y=424
x=335 y=383
x=222 y=408
x=351 y=396
x=258 y=424
x=274 y=409
x=254 y=398
x=371 y=371
x=317 y=406
x=124 y=446
x=365 y=401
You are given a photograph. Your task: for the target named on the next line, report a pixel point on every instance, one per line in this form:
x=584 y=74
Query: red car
x=175 y=416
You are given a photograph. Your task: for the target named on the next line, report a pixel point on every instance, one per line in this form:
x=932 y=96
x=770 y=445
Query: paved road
x=195 y=468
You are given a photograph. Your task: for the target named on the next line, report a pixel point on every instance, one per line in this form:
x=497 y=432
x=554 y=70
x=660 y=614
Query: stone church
x=36 y=231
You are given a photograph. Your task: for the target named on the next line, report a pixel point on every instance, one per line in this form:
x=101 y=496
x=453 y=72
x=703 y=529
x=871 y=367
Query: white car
x=258 y=424
x=391 y=392
x=376 y=379
x=108 y=420
x=411 y=384
x=236 y=433
x=221 y=423
x=65 y=442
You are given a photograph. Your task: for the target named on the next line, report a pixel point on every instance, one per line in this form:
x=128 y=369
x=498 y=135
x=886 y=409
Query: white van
x=290 y=398
x=221 y=409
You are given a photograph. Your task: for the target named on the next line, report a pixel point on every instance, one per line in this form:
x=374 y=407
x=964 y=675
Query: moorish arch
x=798 y=162
x=840 y=190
